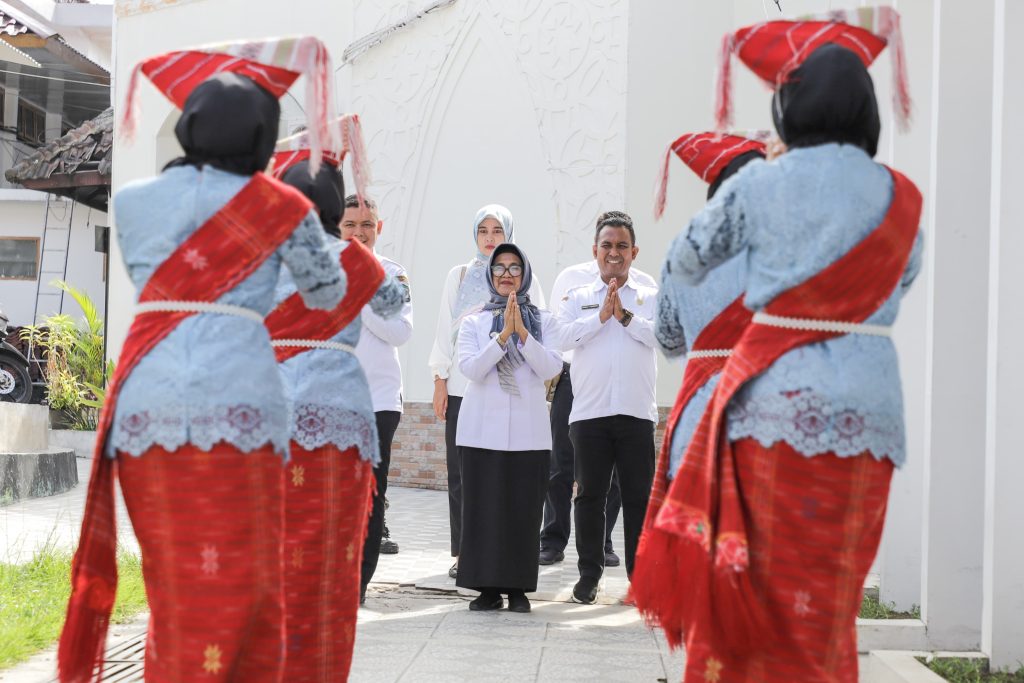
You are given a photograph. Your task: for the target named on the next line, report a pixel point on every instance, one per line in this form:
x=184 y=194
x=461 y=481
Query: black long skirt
x=502 y=507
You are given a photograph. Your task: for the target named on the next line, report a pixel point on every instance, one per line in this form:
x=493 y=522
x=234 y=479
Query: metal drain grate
x=124 y=662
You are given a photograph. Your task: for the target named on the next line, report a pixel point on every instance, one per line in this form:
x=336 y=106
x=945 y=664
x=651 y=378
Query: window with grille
x=19 y=258
x=31 y=123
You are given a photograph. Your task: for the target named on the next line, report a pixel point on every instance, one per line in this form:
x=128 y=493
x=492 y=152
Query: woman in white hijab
x=465 y=292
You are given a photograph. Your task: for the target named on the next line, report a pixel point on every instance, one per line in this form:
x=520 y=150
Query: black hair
x=615 y=219
x=352 y=202
x=829 y=98
x=325 y=190
x=245 y=144
x=732 y=168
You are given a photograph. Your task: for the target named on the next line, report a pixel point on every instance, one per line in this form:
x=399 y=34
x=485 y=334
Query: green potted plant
x=75 y=368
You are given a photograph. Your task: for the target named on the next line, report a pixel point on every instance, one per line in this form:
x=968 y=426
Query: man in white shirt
x=609 y=326
x=378 y=354
x=558 y=504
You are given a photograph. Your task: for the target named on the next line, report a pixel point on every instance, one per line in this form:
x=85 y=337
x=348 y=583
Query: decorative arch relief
x=571 y=55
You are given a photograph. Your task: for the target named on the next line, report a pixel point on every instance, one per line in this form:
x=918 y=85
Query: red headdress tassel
x=889 y=28
x=130 y=117
x=655 y=568
x=661 y=193
x=352 y=135
x=723 y=88
x=316 y=65
x=93 y=582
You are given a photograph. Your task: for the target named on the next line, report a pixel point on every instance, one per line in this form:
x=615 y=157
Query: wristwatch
x=627 y=316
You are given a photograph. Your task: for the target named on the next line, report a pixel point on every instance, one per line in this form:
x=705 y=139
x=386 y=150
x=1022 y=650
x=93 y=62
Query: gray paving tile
x=382 y=661
x=498 y=626
x=451 y=662
x=561 y=664
x=635 y=638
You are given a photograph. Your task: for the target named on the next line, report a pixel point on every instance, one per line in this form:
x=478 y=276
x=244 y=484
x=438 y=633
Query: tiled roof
x=11 y=26
x=86 y=148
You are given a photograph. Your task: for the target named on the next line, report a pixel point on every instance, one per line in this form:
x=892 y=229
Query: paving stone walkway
x=416 y=625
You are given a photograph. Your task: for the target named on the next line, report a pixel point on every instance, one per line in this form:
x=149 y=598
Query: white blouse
x=491 y=418
x=444 y=361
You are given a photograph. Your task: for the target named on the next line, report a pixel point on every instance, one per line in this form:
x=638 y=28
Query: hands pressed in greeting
x=612 y=305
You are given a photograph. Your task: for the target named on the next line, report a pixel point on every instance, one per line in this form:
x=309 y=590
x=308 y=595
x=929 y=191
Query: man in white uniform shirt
x=609 y=326
x=558 y=505
x=378 y=354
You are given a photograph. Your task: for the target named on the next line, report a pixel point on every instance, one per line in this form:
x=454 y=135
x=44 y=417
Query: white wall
x=1003 y=586
x=144 y=28
x=516 y=103
x=85 y=265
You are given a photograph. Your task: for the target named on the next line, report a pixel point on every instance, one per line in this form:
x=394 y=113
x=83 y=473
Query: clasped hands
x=513 y=322
x=612 y=305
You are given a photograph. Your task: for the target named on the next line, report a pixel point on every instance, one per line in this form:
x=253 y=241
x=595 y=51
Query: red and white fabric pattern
x=347 y=132
x=707 y=154
x=234 y=242
x=273 y=63
x=773 y=49
x=328 y=495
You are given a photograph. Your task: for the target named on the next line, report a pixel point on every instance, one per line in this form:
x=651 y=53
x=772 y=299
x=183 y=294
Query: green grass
x=34 y=598
x=971 y=671
x=872 y=608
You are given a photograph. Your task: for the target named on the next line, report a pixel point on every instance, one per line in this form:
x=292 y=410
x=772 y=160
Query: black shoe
x=453 y=571
x=585 y=591
x=487 y=601
x=518 y=602
x=387 y=546
x=610 y=558
x=549 y=556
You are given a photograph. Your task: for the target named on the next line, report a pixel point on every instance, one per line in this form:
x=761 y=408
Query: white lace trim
x=316 y=425
x=314 y=344
x=812 y=424
x=838 y=326
x=245 y=427
x=199 y=307
x=709 y=353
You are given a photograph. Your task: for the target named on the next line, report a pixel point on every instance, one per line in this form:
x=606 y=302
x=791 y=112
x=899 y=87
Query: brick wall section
x=418 y=453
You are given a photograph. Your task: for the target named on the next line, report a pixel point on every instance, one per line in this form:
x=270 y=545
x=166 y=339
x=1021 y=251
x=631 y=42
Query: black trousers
x=601 y=444
x=502 y=499
x=558 y=504
x=387 y=423
x=454 y=462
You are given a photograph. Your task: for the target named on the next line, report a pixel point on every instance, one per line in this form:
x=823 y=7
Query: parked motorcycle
x=15 y=380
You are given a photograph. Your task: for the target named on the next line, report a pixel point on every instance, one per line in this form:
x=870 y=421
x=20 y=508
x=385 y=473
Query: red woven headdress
x=707 y=155
x=273 y=63
x=347 y=131
x=773 y=49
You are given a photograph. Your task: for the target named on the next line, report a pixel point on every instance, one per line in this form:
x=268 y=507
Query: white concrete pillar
x=958 y=197
x=54 y=110
x=899 y=563
x=11 y=93
x=1003 y=591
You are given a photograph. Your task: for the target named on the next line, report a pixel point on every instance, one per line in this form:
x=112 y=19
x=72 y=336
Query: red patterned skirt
x=327 y=506
x=210 y=528
x=814 y=526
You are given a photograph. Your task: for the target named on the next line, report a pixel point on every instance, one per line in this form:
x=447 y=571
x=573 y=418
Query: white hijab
x=473 y=290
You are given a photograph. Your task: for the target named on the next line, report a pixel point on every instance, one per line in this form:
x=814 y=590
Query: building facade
x=561 y=110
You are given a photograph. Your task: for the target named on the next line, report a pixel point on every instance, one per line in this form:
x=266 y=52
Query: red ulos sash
x=292 y=320
x=225 y=250
x=656 y=555
x=704 y=506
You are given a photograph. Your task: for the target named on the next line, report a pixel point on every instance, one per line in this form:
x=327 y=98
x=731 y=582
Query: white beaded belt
x=708 y=353
x=198 y=307
x=314 y=344
x=821 y=325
